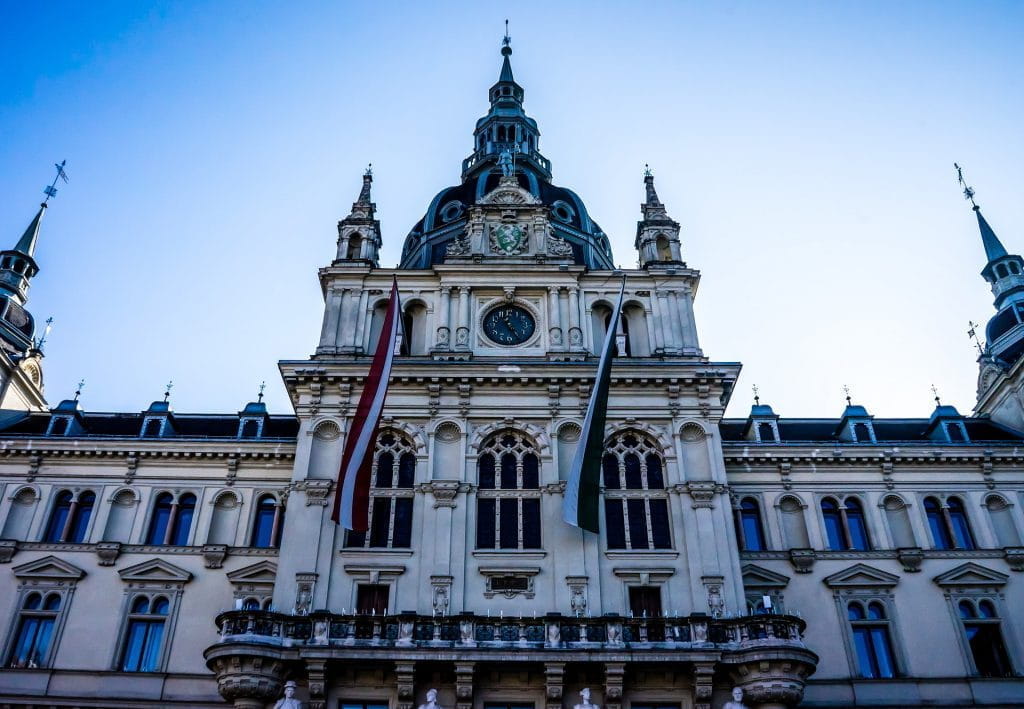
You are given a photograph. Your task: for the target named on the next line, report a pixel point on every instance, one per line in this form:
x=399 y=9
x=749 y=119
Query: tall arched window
x=508 y=495
x=172 y=519
x=834 y=532
x=355 y=246
x=871 y=639
x=266 y=525
x=958 y=521
x=984 y=638
x=845 y=525
x=36 y=621
x=749 y=529
x=391 y=494
x=857 y=525
x=948 y=524
x=635 y=500
x=69 y=520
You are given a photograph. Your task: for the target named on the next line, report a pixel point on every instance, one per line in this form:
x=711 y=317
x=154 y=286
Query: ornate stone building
x=160 y=559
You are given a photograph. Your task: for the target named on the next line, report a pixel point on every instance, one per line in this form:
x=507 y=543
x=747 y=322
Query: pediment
x=49 y=567
x=859 y=576
x=155 y=570
x=262 y=572
x=508 y=192
x=971 y=574
x=755 y=576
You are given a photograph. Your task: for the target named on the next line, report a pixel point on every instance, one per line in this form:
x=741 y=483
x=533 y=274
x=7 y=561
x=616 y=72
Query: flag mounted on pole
x=583 y=490
x=352 y=493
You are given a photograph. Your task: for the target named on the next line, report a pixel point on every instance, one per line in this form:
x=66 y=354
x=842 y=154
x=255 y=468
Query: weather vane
x=973 y=334
x=846 y=390
x=78 y=391
x=51 y=189
x=757 y=397
x=647 y=171
x=369 y=170
x=263 y=385
x=935 y=392
x=46 y=332
x=506 y=41
x=167 y=390
x=968 y=190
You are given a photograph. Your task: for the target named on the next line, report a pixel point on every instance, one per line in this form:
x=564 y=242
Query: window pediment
x=861 y=576
x=49 y=568
x=155 y=570
x=758 y=577
x=971 y=574
x=264 y=572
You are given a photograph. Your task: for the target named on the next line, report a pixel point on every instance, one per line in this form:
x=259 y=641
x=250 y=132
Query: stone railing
x=550 y=632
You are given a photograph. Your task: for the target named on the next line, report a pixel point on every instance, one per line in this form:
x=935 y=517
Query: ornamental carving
x=508 y=239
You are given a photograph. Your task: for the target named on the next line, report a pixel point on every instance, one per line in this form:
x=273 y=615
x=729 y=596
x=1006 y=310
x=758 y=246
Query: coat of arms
x=508 y=239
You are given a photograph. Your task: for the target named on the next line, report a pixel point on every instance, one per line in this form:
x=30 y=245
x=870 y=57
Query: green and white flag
x=583 y=490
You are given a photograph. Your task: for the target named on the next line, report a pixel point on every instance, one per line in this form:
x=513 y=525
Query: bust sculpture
x=585 y=697
x=288 y=701
x=737 y=700
x=431 y=702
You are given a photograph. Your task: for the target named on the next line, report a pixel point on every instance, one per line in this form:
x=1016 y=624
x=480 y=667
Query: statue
x=737 y=700
x=585 y=704
x=431 y=700
x=466 y=632
x=288 y=701
x=505 y=163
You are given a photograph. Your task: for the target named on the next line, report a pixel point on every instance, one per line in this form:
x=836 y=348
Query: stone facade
x=158 y=559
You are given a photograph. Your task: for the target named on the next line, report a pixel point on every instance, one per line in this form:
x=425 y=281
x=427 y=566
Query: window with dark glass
x=171 y=521
x=69 y=519
x=152 y=428
x=635 y=499
x=765 y=432
x=645 y=601
x=250 y=429
x=508 y=494
x=36 y=621
x=984 y=638
x=948 y=524
x=749 y=530
x=845 y=525
x=871 y=639
x=144 y=634
x=372 y=598
x=266 y=527
x=391 y=495
x=862 y=433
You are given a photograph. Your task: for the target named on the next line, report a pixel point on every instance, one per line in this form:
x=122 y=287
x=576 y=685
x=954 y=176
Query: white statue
x=505 y=163
x=288 y=701
x=585 y=704
x=737 y=700
x=431 y=700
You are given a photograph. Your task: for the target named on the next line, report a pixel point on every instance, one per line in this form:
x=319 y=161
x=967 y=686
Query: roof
x=915 y=430
x=124 y=425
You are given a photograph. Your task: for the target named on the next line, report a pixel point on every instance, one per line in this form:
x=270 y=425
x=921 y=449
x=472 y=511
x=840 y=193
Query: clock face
x=509 y=325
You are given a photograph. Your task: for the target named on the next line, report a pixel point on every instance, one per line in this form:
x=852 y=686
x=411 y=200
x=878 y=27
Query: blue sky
x=806 y=149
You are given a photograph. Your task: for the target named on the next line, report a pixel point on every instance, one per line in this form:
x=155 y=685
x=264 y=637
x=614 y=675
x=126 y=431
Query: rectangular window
x=402 y=536
x=645 y=601
x=616 y=526
x=531 y=523
x=381 y=522
x=659 y=524
x=485 y=522
x=509 y=522
x=31 y=642
x=372 y=598
x=142 y=648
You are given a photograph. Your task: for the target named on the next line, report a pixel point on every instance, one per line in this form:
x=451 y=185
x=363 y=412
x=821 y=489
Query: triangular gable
x=971 y=574
x=755 y=576
x=155 y=570
x=49 y=567
x=861 y=575
x=262 y=572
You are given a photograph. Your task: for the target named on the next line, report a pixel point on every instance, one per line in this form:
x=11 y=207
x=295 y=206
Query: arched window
x=355 y=247
x=508 y=495
x=664 y=249
x=948 y=524
x=69 y=520
x=834 y=532
x=414 y=330
x=266 y=526
x=845 y=525
x=250 y=604
x=857 y=525
x=635 y=500
x=144 y=634
x=391 y=494
x=984 y=638
x=871 y=639
x=1002 y=521
x=36 y=621
x=172 y=519
x=600 y=317
x=19 y=514
x=634 y=326
x=749 y=530
x=59 y=517
x=1001 y=270
x=1014 y=268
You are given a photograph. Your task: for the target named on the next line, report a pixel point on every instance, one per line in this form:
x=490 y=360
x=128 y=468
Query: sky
x=806 y=149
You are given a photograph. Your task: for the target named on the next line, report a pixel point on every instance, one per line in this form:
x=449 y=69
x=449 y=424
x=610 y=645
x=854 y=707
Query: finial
x=369 y=170
x=46 y=332
x=935 y=392
x=757 y=397
x=167 y=390
x=78 y=391
x=647 y=171
x=968 y=190
x=846 y=390
x=51 y=189
x=506 y=41
x=972 y=333
x=263 y=385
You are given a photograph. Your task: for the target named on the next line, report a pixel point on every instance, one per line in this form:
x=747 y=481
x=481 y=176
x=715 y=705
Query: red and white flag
x=352 y=494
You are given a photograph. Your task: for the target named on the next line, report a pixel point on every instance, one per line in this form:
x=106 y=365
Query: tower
x=657 y=234
x=359 y=232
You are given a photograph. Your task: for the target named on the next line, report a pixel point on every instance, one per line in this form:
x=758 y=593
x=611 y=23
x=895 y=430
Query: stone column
x=462 y=333
x=691 y=325
x=464 y=685
x=444 y=332
x=575 y=333
x=614 y=673
x=332 y=310
x=669 y=324
x=679 y=306
x=360 y=327
x=555 y=318
x=405 y=673
x=342 y=247
x=655 y=320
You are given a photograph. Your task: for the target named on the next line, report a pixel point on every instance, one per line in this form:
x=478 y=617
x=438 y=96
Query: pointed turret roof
x=27 y=243
x=506 y=64
x=994 y=248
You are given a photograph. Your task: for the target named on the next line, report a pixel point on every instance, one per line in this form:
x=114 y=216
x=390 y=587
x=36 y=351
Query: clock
x=509 y=325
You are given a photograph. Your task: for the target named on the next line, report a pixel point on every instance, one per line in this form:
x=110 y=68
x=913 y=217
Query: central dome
x=505 y=139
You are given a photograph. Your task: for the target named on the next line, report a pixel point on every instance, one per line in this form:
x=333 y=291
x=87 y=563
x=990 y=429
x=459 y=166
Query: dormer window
x=152 y=427
x=862 y=433
x=250 y=428
x=955 y=432
x=59 y=425
x=765 y=432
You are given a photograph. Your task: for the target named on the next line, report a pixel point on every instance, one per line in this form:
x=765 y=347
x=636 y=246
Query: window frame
x=169 y=582
x=44 y=576
x=150 y=619
x=846 y=536
x=73 y=518
x=866 y=595
x=948 y=526
x=868 y=623
x=739 y=523
x=974 y=596
x=173 y=521
x=493 y=446
x=645 y=447
x=402 y=446
x=276 y=524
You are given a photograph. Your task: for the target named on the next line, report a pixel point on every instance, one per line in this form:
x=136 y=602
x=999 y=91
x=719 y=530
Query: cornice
x=170 y=448
x=840 y=455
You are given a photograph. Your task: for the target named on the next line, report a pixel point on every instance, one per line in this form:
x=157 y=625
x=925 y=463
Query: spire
x=359 y=238
x=652 y=195
x=506 y=64
x=364 y=194
x=657 y=234
x=993 y=247
x=27 y=243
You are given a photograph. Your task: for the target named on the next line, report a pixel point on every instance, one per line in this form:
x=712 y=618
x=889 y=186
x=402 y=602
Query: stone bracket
x=614 y=674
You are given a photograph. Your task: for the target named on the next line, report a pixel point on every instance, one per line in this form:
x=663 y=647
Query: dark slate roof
x=886 y=431
x=123 y=425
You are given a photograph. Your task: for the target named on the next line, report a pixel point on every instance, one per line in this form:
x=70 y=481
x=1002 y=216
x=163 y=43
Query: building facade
x=158 y=559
